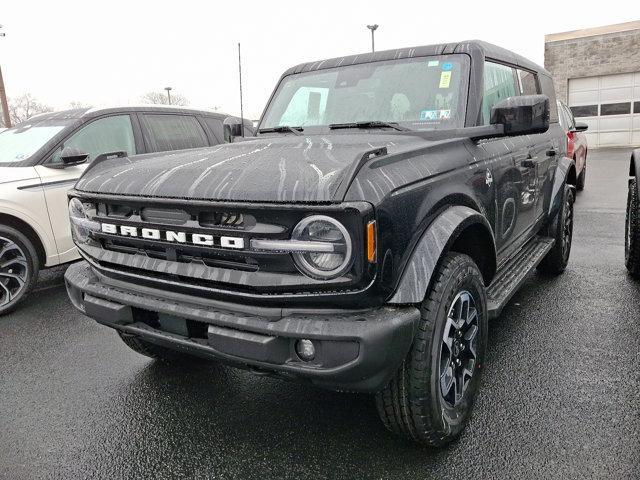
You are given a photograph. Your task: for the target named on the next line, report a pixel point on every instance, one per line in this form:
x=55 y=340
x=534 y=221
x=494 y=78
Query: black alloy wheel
x=458 y=355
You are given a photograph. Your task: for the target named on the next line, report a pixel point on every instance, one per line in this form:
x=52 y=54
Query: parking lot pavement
x=560 y=396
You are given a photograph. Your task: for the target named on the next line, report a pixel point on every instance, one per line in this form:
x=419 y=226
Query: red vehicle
x=576 y=142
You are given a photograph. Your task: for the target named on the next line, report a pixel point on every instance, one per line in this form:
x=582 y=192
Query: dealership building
x=597 y=73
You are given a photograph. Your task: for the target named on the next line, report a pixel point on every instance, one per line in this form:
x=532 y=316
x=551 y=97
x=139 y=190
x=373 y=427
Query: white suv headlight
x=81 y=225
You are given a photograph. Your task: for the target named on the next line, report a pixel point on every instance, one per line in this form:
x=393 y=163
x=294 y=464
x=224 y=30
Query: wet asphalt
x=560 y=395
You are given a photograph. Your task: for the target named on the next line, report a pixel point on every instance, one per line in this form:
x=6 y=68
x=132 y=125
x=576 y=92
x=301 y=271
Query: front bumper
x=355 y=350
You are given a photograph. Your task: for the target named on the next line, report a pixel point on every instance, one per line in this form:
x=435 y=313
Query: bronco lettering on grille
x=201 y=239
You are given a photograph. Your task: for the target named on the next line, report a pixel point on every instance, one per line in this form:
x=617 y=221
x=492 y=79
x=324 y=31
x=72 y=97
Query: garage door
x=610 y=105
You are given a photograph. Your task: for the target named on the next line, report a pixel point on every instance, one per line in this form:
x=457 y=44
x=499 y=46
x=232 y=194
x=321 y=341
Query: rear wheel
x=632 y=230
x=19 y=265
x=431 y=397
x=557 y=258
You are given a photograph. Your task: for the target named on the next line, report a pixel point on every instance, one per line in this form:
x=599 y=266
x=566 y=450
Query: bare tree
x=77 y=104
x=158 y=98
x=24 y=107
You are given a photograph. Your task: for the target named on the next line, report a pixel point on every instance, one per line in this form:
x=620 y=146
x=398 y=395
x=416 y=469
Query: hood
x=283 y=168
x=17 y=174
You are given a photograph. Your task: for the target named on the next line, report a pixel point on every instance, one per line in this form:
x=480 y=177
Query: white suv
x=41 y=159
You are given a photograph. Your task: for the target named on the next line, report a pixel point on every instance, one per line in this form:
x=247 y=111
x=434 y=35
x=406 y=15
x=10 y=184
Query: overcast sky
x=114 y=51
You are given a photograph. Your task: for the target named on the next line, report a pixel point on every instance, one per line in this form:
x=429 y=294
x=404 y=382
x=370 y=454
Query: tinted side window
x=549 y=90
x=499 y=83
x=216 y=127
x=528 y=83
x=174 y=132
x=105 y=135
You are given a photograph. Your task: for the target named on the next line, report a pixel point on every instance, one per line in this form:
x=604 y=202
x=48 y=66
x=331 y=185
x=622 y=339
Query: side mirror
x=580 y=127
x=232 y=129
x=523 y=115
x=71 y=156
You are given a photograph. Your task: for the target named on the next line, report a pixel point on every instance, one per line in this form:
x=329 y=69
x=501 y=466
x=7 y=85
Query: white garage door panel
x=615 y=122
x=608 y=130
x=589 y=83
x=611 y=95
x=586 y=97
x=619 y=80
x=610 y=139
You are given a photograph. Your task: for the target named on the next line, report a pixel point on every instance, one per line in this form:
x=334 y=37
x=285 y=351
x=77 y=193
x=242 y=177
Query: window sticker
x=445 y=79
x=433 y=63
x=429 y=114
x=446 y=67
x=433 y=115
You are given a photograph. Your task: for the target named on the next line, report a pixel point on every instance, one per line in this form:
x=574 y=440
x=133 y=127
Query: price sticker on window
x=445 y=79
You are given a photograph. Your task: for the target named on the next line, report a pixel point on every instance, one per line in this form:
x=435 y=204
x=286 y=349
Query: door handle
x=551 y=152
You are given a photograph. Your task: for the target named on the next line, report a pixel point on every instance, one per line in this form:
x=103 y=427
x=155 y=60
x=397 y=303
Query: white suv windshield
x=419 y=93
x=19 y=143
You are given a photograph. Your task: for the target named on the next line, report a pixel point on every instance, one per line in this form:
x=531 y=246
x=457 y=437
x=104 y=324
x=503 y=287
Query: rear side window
x=528 y=83
x=174 y=132
x=499 y=83
x=105 y=135
x=215 y=125
x=549 y=90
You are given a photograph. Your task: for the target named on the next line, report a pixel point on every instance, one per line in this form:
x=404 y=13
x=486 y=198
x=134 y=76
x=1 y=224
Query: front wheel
x=582 y=178
x=431 y=397
x=555 y=261
x=19 y=267
x=632 y=230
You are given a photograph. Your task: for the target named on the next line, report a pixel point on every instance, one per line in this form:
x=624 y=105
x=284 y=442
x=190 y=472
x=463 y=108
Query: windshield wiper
x=370 y=124
x=282 y=128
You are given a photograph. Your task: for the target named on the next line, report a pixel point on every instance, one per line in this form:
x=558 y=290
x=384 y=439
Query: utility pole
x=3 y=98
x=373 y=29
x=168 y=89
x=240 y=78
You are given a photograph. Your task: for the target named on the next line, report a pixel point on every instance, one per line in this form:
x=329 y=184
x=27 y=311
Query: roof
x=591 y=32
x=77 y=113
x=471 y=47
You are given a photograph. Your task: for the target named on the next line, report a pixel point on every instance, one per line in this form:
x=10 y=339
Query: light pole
x=168 y=89
x=3 y=98
x=373 y=29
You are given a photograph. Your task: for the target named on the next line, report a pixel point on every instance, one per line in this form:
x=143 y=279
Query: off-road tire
x=555 y=261
x=582 y=178
x=29 y=266
x=158 y=352
x=632 y=230
x=412 y=404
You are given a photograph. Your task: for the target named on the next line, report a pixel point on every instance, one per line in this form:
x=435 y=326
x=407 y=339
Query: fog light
x=305 y=349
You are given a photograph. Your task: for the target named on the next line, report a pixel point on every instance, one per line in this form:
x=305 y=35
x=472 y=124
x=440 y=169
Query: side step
x=513 y=273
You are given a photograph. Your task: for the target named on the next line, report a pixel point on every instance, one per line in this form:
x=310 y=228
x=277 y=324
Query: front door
x=103 y=135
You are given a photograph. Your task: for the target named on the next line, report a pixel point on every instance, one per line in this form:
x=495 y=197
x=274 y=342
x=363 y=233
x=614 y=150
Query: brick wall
x=591 y=56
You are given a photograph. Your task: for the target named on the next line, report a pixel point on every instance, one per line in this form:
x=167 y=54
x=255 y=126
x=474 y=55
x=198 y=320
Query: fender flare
x=435 y=241
x=565 y=165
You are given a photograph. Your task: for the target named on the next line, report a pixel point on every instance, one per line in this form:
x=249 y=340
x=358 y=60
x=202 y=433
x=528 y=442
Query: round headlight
x=323 y=265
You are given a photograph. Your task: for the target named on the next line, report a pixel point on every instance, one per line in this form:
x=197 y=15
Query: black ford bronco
x=388 y=206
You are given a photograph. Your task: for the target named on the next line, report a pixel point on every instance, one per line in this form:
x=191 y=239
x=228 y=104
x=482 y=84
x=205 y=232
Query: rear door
x=102 y=135
x=504 y=172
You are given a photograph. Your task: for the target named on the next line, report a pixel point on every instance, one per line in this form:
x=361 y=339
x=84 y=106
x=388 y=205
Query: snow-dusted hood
x=282 y=168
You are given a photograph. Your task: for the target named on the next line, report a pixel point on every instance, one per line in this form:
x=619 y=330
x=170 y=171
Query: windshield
x=418 y=93
x=19 y=143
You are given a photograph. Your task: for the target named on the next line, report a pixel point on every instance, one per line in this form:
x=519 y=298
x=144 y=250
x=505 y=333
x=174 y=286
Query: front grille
x=228 y=265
